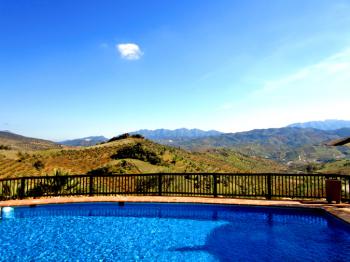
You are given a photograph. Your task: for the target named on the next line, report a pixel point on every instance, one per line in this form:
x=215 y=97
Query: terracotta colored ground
x=341 y=211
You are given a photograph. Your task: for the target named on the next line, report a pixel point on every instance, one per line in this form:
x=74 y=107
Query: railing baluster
x=215 y=185
x=91 y=193
x=269 y=186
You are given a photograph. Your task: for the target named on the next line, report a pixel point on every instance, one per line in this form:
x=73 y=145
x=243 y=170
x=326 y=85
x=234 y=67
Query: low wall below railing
x=294 y=186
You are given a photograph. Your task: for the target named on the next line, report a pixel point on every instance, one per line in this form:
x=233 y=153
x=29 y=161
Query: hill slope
x=131 y=155
x=335 y=167
x=280 y=144
x=18 y=142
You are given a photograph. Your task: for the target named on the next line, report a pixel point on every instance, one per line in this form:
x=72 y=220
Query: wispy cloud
x=314 y=92
x=129 y=51
x=324 y=74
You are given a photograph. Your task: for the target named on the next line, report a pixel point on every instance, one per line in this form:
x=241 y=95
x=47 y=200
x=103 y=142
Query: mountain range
x=177 y=134
x=166 y=136
x=330 y=124
x=296 y=143
x=85 y=141
x=160 y=135
x=289 y=144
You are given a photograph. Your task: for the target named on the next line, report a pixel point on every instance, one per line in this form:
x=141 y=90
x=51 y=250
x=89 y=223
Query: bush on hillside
x=22 y=156
x=123 y=167
x=124 y=136
x=38 y=165
x=4 y=147
x=137 y=151
x=138 y=136
x=311 y=168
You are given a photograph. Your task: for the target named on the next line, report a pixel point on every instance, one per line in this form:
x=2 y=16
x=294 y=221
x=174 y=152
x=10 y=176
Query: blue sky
x=77 y=68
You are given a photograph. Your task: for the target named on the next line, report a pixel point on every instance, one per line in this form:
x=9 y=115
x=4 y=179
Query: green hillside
x=11 y=141
x=335 y=167
x=130 y=155
x=279 y=144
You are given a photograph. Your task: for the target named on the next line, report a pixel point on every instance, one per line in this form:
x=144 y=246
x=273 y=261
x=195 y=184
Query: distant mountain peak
x=85 y=141
x=329 y=124
x=180 y=133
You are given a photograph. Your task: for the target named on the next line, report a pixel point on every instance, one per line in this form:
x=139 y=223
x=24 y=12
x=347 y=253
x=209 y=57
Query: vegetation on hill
x=130 y=155
x=3 y=147
x=135 y=154
x=117 y=167
x=22 y=143
x=137 y=151
x=334 y=167
x=280 y=144
x=124 y=136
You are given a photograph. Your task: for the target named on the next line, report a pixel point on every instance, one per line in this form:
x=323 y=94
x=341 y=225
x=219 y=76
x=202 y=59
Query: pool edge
x=340 y=211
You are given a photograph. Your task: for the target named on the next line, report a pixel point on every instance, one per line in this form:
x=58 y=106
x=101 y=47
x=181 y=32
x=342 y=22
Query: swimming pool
x=170 y=232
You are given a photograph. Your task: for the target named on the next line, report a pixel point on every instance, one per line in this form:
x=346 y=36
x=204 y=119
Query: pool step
x=7 y=212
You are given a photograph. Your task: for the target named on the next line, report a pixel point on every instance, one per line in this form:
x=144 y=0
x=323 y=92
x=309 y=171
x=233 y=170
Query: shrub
x=7 y=192
x=123 y=167
x=38 y=165
x=100 y=171
x=346 y=164
x=310 y=168
x=4 y=147
x=138 y=136
x=138 y=152
x=22 y=156
x=53 y=185
x=124 y=136
x=173 y=161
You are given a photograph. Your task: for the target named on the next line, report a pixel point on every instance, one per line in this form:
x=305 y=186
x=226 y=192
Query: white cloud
x=129 y=51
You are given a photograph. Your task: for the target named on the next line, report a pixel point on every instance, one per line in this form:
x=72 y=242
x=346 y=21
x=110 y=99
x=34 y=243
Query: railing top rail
x=182 y=174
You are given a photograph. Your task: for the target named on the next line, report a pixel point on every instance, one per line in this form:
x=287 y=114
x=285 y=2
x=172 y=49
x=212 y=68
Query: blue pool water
x=170 y=232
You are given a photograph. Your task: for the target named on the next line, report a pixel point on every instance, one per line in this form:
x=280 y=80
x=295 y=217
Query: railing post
x=215 y=182
x=91 y=191
x=21 y=191
x=347 y=189
x=269 y=186
x=159 y=184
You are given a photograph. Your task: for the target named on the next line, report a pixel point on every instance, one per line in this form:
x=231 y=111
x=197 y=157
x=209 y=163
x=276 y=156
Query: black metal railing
x=295 y=186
